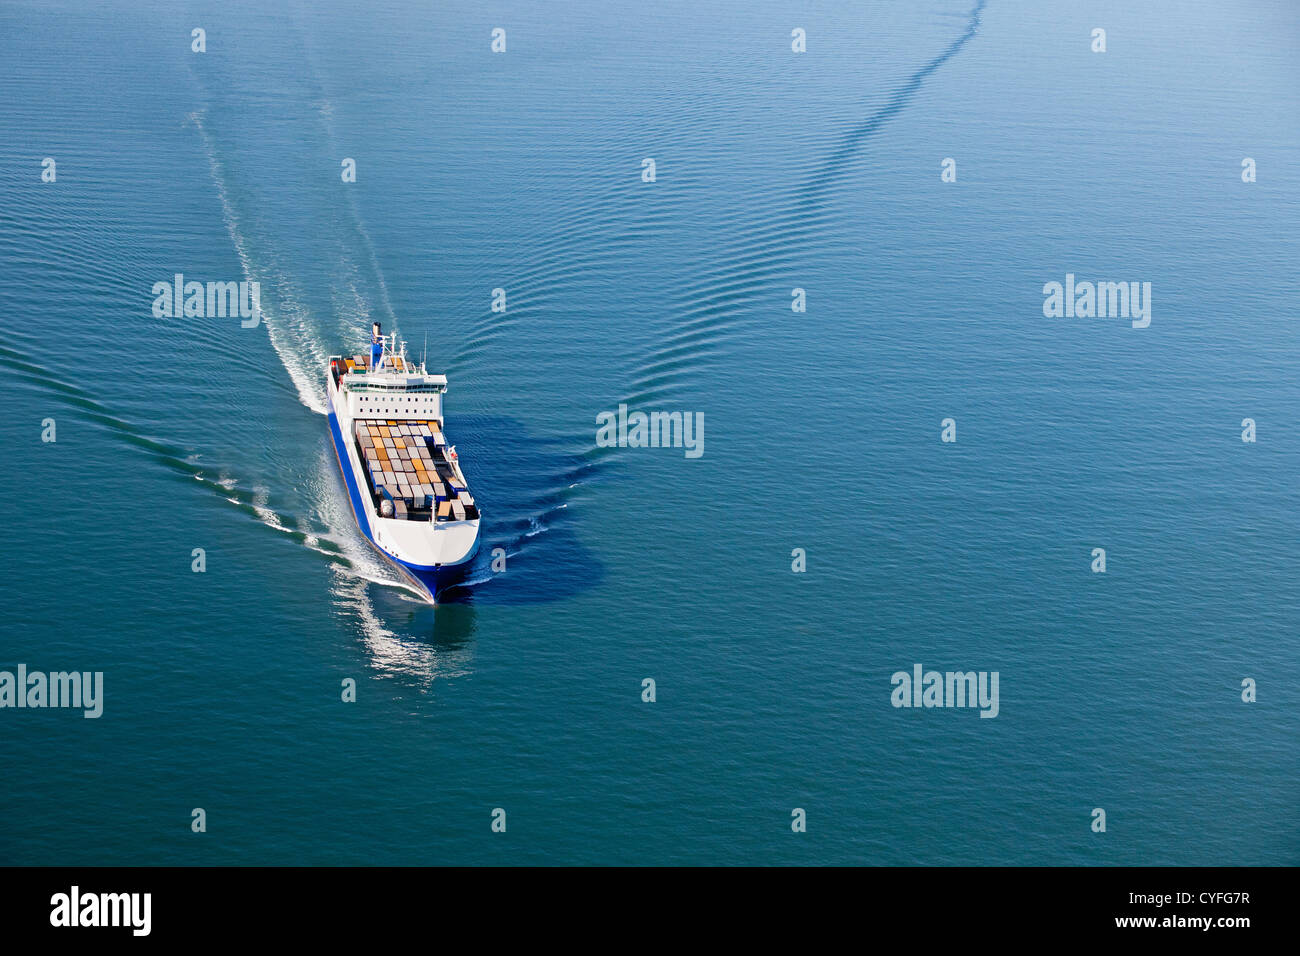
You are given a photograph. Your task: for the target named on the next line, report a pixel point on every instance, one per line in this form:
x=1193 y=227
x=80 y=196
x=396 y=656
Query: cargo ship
x=405 y=482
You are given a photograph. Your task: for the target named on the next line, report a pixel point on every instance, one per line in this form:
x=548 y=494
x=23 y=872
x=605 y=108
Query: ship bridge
x=385 y=384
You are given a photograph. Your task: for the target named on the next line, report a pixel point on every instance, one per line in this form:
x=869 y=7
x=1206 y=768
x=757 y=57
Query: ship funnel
x=374 y=330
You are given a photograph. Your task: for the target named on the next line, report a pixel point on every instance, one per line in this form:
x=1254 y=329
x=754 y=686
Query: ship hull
x=431 y=578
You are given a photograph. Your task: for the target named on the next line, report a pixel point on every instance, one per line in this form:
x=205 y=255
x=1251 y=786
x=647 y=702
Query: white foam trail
x=261 y=496
x=305 y=364
x=307 y=375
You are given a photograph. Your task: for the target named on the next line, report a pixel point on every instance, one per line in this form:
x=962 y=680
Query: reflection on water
x=404 y=636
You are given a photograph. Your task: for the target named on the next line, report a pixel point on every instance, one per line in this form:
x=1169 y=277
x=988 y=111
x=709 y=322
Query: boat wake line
x=253 y=501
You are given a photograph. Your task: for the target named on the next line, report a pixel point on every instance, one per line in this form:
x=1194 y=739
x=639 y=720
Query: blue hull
x=436 y=580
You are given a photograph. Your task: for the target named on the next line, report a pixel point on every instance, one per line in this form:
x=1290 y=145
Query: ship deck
x=408 y=463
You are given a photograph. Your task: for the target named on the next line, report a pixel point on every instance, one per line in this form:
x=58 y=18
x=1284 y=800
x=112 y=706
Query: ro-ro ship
x=405 y=482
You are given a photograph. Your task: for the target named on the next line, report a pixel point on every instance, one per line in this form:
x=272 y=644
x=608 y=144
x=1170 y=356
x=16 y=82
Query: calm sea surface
x=774 y=171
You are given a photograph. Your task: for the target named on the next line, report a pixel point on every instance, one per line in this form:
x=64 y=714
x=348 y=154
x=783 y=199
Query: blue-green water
x=775 y=170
